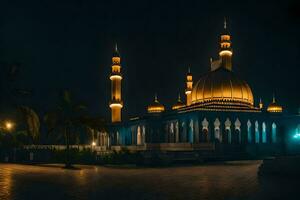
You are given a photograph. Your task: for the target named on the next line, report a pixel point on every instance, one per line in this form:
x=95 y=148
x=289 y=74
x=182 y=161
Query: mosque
x=218 y=118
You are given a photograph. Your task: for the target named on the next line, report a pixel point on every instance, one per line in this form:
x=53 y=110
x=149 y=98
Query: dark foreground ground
x=233 y=180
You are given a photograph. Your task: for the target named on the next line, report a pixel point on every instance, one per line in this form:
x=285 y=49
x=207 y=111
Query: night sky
x=68 y=45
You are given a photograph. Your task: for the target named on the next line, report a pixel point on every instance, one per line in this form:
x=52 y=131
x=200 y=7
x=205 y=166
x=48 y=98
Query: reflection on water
x=5 y=183
x=235 y=181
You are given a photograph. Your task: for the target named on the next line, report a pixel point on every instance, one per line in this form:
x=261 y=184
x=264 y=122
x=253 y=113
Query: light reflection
x=5 y=183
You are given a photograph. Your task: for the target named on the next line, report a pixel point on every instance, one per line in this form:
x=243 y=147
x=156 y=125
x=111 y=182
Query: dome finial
x=274 y=100
x=155 y=97
x=116 y=47
x=189 y=70
x=179 y=98
x=225 y=23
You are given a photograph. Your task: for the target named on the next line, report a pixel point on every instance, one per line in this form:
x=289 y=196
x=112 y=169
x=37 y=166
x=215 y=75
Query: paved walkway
x=235 y=180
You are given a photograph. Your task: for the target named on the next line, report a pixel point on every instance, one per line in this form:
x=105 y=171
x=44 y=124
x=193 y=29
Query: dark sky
x=68 y=44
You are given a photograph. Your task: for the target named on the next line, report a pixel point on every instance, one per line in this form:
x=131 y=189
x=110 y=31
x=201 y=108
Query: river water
x=234 y=180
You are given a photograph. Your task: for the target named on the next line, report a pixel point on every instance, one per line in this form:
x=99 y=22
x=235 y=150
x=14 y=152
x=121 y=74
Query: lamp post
x=5 y=127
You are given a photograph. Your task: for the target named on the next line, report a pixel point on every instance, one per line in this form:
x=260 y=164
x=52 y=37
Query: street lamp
x=9 y=125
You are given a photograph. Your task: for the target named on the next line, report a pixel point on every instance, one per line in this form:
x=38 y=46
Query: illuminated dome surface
x=222 y=87
x=274 y=107
x=178 y=104
x=155 y=107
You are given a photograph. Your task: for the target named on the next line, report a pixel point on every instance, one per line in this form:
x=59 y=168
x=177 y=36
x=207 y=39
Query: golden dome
x=222 y=87
x=155 y=107
x=178 y=104
x=274 y=107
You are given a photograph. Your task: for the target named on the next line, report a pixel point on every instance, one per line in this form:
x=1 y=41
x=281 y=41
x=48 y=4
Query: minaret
x=116 y=103
x=189 y=87
x=225 y=48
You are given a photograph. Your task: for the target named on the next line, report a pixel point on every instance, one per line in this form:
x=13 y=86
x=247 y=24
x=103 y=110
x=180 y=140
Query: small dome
x=220 y=87
x=274 y=107
x=178 y=104
x=155 y=107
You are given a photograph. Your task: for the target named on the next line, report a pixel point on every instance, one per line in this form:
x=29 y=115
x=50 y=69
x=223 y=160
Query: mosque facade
x=219 y=117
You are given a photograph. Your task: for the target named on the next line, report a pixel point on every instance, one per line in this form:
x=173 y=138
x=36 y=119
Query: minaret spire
x=225 y=48
x=274 y=100
x=116 y=102
x=116 y=47
x=189 y=87
x=155 y=97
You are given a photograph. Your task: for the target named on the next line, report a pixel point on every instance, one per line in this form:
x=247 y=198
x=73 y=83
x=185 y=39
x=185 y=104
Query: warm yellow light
x=225 y=37
x=188 y=92
x=93 y=143
x=225 y=44
x=156 y=109
x=225 y=52
x=189 y=78
x=116 y=68
x=114 y=105
x=113 y=77
x=9 y=125
x=175 y=107
x=277 y=109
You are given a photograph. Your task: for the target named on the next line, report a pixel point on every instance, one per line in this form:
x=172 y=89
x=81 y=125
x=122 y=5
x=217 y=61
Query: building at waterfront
x=218 y=118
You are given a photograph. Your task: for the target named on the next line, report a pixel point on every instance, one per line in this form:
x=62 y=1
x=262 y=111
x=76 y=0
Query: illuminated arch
x=204 y=133
x=274 y=133
x=217 y=135
x=191 y=132
x=264 y=133
x=249 y=134
x=139 y=136
x=256 y=132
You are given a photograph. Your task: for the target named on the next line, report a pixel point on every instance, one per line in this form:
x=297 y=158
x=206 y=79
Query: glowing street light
x=6 y=125
x=9 y=125
x=93 y=143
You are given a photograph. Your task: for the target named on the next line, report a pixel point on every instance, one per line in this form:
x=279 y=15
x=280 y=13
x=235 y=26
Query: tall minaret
x=225 y=49
x=189 y=87
x=116 y=103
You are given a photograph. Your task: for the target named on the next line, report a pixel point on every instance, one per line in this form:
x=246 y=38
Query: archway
x=204 y=134
x=226 y=136
x=264 y=133
x=139 y=136
x=274 y=133
x=256 y=132
x=236 y=136
x=249 y=132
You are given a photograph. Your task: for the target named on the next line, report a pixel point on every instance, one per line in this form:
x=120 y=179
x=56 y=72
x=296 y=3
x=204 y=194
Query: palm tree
x=32 y=122
x=67 y=116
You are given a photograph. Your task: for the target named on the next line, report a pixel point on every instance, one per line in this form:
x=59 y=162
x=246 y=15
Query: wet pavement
x=235 y=180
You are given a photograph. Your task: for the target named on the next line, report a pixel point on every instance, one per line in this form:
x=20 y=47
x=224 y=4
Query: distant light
x=93 y=144
x=297 y=136
x=9 y=125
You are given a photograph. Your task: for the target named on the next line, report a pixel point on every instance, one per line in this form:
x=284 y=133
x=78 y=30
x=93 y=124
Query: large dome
x=222 y=87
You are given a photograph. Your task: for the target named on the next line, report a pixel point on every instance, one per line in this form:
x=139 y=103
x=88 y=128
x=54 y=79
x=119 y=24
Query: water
x=237 y=180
